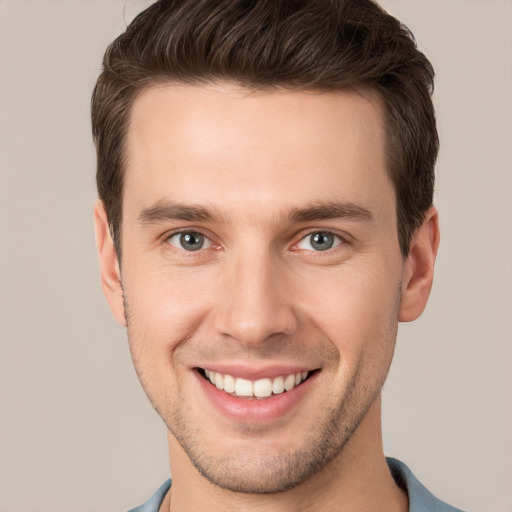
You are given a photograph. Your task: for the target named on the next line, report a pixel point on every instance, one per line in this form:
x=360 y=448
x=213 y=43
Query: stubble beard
x=243 y=472
x=269 y=473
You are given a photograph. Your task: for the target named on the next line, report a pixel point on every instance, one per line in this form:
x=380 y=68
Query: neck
x=357 y=479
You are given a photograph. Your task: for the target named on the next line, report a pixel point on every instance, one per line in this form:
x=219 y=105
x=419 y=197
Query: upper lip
x=253 y=372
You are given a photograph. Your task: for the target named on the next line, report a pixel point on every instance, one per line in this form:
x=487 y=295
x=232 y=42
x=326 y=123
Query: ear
x=419 y=268
x=109 y=264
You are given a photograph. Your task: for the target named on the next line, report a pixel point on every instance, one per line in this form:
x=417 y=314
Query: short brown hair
x=321 y=45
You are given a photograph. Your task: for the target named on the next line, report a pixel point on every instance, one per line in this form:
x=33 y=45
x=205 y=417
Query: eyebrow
x=163 y=211
x=330 y=210
x=169 y=210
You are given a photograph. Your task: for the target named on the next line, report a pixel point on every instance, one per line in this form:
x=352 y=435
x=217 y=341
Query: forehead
x=228 y=145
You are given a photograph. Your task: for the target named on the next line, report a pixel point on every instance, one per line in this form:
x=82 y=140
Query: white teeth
x=261 y=388
x=229 y=384
x=289 y=382
x=243 y=387
x=219 y=381
x=278 y=385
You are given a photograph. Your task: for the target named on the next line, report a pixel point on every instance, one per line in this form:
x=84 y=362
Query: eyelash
x=207 y=239
x=338 y=240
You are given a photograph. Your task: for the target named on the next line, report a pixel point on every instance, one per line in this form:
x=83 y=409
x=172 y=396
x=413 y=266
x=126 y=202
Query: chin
x=257 y=465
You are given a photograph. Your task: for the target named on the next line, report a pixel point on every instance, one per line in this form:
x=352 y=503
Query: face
x=261 y=275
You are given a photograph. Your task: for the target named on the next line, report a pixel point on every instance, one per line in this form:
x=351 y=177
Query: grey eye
x=319 y=241
x=189 y=241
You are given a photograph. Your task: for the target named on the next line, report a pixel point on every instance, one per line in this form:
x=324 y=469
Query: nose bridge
x=254 y=303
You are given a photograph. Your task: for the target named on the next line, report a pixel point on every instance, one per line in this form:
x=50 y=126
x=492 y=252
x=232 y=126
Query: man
x=265 y=173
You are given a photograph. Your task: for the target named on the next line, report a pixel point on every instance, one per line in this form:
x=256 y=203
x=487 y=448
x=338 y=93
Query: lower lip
x=254 y=410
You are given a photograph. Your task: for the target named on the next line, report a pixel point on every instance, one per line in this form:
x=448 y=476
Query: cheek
x=164 y=309
x=355 y=307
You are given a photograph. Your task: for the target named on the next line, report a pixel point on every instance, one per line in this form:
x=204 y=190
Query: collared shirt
x=420 y=498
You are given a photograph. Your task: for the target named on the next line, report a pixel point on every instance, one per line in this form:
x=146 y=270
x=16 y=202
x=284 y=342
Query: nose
x=254 y=303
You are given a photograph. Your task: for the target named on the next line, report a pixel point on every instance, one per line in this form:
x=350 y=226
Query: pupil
x=322 y=241
x=192 y=241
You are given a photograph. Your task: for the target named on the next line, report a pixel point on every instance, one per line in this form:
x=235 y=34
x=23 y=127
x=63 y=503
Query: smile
x=261 y=388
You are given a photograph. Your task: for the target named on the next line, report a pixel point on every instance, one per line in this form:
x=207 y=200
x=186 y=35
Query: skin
x=262 y=166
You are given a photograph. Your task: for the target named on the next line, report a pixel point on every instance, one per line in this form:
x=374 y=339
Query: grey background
x=76 y=431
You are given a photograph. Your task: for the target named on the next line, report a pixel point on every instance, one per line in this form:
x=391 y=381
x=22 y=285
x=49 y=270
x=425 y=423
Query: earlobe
x=109 y=264
x=419 y=267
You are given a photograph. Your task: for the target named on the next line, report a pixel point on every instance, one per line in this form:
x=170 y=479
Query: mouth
x=255 y=389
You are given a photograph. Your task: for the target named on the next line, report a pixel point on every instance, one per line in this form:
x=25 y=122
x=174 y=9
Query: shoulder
x=420 y=498
x=153 y=504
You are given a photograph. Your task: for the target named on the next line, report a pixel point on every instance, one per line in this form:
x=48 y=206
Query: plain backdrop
x=76 y=431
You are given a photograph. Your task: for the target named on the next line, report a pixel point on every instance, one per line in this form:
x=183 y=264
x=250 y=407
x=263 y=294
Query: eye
x=189 y=241
x=319 y=241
